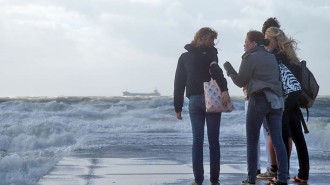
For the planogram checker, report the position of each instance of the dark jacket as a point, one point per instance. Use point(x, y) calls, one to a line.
point(292, 115)
point(193, 70)
point(292, 100)
point(294, 68)
point(258, 70)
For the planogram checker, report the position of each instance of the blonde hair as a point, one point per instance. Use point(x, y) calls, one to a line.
point(204, 35)
point(285, 45)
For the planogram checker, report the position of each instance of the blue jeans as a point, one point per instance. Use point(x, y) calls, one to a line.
point(258, 109)
point(198, 116)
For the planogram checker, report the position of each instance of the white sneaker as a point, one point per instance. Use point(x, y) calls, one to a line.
point(267, 175)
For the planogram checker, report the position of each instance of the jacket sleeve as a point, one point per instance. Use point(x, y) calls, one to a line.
point(217, 74)
point(244, 74)
point(179, 85)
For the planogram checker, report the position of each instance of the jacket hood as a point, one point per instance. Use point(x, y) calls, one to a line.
point(200, 49)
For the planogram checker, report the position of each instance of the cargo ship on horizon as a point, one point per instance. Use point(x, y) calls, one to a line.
point(154, 93)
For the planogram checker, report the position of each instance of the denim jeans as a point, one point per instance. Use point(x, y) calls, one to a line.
point(259, 108)
point(198, 116)
point(265, 131)
point(265, 134)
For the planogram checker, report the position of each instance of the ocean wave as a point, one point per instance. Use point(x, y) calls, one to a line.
point(37, 132)
point(318, 136)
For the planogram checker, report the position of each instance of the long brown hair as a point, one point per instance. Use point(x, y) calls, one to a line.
point(285, 45)
point(205, 36)
point(257, 37)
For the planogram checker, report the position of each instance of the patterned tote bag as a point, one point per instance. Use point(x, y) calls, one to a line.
point(213, 98)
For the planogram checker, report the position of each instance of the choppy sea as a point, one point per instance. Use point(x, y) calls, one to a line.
point(35, 133)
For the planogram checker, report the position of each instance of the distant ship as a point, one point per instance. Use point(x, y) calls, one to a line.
point(154, 93)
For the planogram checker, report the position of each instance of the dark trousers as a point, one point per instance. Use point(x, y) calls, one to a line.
point(300, 142)
point(292, 128)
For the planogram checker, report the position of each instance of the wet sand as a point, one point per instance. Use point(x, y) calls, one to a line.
point(144, 171)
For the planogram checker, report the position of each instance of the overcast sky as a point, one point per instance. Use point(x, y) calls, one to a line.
point(104, 47)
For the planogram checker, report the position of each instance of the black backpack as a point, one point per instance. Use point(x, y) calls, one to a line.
point(310, 87)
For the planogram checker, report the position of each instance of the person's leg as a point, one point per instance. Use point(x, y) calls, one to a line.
point(272, 154)
point(197, 118)
point(265, 131)
point(213, 129)
point(259, 162)
point(289, 151)
point(274, 120)
point(286, 134)
point(271, 163)
point(301, 146)
point(257, 109)
point(258, 153)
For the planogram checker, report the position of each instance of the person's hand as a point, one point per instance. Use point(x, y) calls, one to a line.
point(225, 98)
point(178, 116)
point(229, 68)
point(245, 93)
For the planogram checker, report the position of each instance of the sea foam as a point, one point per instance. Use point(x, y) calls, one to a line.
point(35, 133)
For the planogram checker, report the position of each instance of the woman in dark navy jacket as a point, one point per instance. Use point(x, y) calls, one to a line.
point(195, 67)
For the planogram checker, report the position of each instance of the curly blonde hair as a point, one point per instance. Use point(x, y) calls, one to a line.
point(205, 36)
point(285, 45)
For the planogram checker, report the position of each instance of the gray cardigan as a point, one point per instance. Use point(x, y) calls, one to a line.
point(258, 70)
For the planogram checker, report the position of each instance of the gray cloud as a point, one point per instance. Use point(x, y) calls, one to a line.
point(100, 47)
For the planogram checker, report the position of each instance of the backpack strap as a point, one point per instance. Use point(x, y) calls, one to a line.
point(301, 116)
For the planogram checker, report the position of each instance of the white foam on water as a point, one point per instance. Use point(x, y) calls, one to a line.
point(35, 133)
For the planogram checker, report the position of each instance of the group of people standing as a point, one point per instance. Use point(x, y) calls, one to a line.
point(259, 76)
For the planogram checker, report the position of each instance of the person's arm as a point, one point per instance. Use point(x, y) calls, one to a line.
point(179, 86)
point(217, 74)
point(244, 74)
